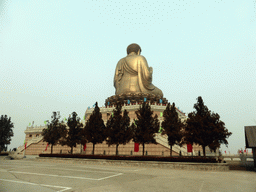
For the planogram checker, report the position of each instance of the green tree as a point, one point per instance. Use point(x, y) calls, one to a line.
point(5, 131)
point(146, 126)
point(73, 135)
point(205, 128)
point(172, 126)
point(118, 128)
point(94, 130)
point(55, 131)
point(219, 132)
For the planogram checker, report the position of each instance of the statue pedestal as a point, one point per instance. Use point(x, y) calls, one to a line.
point(134, 99)
point(162, 146)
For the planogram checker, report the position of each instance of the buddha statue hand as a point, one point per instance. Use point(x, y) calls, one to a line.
point(150, 70)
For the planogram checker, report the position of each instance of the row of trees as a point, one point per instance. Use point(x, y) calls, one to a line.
point(202, 127)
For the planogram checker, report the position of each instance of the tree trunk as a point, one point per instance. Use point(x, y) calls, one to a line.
point(204, 150)
point(51, 148)
point(71, 150)
point(171, 151)
point(143, 149)
point(93, 145)
point(117, 149)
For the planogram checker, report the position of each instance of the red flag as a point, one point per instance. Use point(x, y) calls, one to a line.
point(189, 148)
point(46, 146)
point(136, 147)
point(84, 147)
point(225, 151)
point(25, 145)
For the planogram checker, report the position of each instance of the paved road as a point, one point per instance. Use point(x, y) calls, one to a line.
point(28, 175)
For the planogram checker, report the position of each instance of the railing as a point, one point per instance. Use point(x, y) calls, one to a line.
point(244, 158)
point(164, 141)
point(34, 140)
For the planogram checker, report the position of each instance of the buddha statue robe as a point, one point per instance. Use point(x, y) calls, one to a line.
point(133, 75)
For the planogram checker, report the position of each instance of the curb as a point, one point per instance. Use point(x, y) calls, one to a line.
point(151, 164)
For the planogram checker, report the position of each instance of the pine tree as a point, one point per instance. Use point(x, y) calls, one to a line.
point(94, 130)
point(205, 128)
point(219, 132)
point(118, 128)
point(146, 126)
point(55, 131)
point(172, 126)
point(5, 131)
point(73, 135)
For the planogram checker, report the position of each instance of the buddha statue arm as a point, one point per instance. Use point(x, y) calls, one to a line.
point(147, 71)
point(118, 74)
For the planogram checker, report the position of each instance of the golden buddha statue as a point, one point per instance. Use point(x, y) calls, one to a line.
point(133, 75)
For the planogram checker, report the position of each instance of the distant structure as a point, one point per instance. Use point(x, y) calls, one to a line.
point(36, 145)
point(250, 140)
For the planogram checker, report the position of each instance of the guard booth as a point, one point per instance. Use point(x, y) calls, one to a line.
point(250, 140)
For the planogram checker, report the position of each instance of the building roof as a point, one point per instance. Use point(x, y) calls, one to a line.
point(250, 136)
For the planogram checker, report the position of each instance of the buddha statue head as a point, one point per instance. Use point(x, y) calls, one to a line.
point(133, 48)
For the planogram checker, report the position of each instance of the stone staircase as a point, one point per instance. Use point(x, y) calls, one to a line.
point(21, 148)
point(163, 140)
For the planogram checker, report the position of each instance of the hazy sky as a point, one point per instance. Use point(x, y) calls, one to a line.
point(61, 56)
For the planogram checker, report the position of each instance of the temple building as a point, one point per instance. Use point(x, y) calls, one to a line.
point(133, 84)
point(35, 144)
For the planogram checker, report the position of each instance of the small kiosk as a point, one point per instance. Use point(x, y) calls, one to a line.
point(250, 140)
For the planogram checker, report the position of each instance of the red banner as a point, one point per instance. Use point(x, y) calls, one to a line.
point(136, 147)
point(25, 145)
point(189, 148)
point(84, 147)
point(46, 146)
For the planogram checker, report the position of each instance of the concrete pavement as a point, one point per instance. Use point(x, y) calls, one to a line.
point(30, 175)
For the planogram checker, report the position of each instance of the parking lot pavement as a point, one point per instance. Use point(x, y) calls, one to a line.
point(29, 175)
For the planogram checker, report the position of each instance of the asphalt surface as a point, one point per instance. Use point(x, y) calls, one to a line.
point(29, 175)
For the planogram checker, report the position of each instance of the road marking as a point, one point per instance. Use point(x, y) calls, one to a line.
point(117, 169)
point(65, 188)
point(110, 176)
point(72, 177)
point(81, 170)
point(17, 167)
point(139, 169)
point(61, 169)
point(18, 164)
point(45, 167)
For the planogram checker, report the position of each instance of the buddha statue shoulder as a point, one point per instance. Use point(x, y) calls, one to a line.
point(133, 75)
